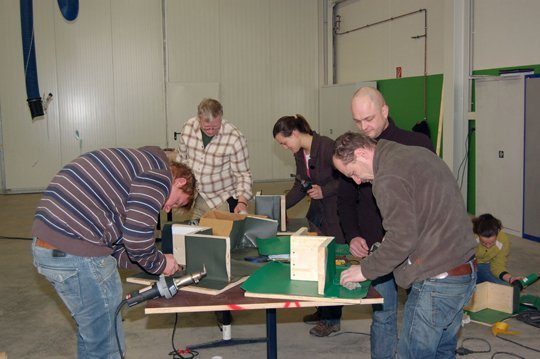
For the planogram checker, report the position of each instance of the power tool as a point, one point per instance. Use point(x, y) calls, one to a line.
point(526, 281)
point(165, 287)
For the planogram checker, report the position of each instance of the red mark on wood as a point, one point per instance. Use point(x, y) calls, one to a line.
point(235, 307)
point(289, 304)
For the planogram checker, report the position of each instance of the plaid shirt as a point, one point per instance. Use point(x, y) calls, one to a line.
point(222, 168)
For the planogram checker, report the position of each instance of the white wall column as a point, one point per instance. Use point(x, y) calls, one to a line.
point(456, 85)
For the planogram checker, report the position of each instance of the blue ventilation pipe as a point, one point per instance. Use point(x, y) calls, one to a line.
point(29, 58)
point(69, 9)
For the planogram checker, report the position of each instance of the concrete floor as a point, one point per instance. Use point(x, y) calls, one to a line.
point(35, 324)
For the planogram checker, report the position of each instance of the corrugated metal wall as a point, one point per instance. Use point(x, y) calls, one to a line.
point(263, 54)
point(106, 72)
point(374, 52)
point(506, 33)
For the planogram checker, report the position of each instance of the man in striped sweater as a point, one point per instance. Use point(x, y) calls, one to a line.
point(100, 212)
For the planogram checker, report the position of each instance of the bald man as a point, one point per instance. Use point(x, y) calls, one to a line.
point(361, 219)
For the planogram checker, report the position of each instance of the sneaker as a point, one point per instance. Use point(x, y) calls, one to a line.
point(322, 329)
point(312, 318)
point(465, 320)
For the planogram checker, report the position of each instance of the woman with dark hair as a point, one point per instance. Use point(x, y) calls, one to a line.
point(316, 178)
point(492, 251)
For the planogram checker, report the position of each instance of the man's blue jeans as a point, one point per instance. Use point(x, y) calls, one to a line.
point(384, 323)
point(485, 275)
point(432, 317)
point(91, 289)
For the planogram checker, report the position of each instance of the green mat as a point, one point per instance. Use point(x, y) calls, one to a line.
point(488, 316)
point(342, 250)
point(282, 245)
point(491, 316)
point(274, 245)
point(274, 278)
point(530, 300)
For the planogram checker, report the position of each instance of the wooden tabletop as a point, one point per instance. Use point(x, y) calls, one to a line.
point(234, 299)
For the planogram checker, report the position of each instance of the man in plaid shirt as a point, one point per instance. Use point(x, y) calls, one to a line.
point(217, 153)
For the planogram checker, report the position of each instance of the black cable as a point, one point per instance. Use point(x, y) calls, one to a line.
point(357, 333)
point(9, 237)
point(463, 165)
point(218, 322)
point(118, 309)
point(507, 353)
point(177, 354)
point(466, 351)
point(516, 343)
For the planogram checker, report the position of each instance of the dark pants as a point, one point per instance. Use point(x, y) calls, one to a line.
point(330, 315)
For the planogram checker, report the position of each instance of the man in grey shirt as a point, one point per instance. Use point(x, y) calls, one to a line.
point(428, 245)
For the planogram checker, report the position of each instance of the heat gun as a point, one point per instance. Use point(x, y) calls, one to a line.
point(526, 281)
point(165, 287)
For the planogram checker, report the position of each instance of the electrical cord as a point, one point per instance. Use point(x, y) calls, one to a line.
point(465, 351)
point(118, 309)
point(519, 344)
point(507, 353)
point(179, 353)
point(341, 333)
point(463, 165)
point(10, 237)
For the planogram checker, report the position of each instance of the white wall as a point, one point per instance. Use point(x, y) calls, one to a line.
point(263, 54)
point(30, 149)
point(106, 72)
point(506, 33)
point(375, 52)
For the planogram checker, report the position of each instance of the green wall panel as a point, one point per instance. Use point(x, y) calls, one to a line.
point(405, 99)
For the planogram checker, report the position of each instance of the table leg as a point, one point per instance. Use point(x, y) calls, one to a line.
point(271, 334)
point(227, 340)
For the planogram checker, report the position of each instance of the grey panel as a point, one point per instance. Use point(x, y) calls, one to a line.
point(269, 206)
point(531, 197)
point(244, 233)
point(210, 252)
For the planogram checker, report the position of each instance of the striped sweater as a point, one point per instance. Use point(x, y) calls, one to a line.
point(107, 202)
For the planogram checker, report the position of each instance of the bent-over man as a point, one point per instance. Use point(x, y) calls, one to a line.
point(428, 243)
point(99, 213)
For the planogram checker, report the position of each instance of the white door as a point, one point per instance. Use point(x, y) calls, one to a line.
point(499, 149)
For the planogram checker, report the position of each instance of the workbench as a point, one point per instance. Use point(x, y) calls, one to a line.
point(234, 299)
